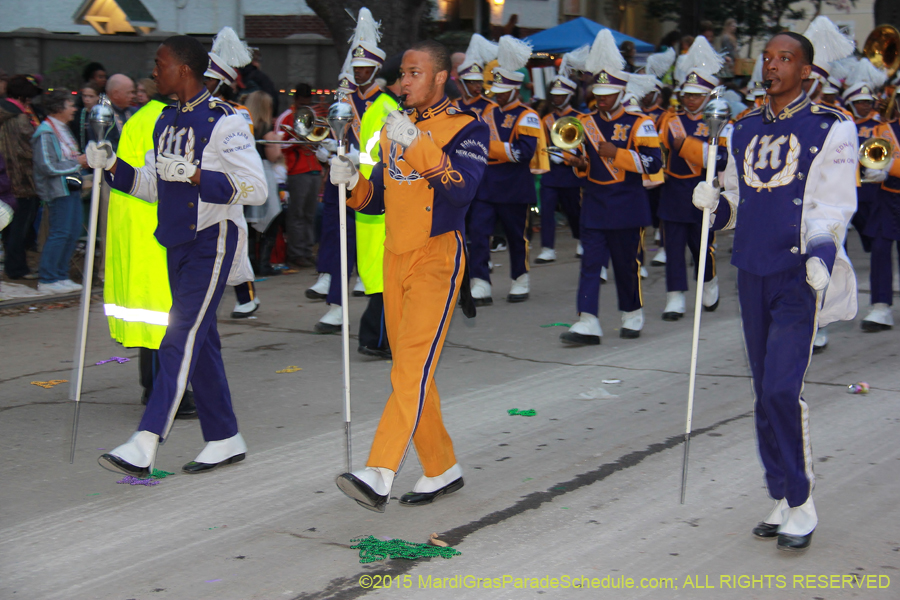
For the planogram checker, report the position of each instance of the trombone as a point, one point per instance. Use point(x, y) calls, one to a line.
point(875, 153)
point(567, 133)
point(307, 130)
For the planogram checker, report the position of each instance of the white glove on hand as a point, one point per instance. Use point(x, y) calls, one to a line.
point(174, 168)
point(401, 129)
point(6, 214)
point(875, 175)
point(343, 171)
point(706, 196)
point(330, 144)
point(817, 275)
point(322, 154)
point(100, 156)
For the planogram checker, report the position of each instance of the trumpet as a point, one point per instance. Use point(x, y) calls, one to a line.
point(875, 153)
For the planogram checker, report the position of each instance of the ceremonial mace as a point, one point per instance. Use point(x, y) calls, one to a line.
point(102, 120)
point(340, 116)
point(716, 115)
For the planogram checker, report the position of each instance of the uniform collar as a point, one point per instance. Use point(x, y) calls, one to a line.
point(374, 89)
point(794, 107)
point(193, 102)
point(565, 110)
point(620, 110)
point(432, 111)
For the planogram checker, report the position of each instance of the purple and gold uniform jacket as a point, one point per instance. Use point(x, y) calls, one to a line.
point(687, 167)
point(865, 128)
point(561, 175)
point(515, 131)
point(425, 190)
point(884, 220)
point(477, 106)
point(614, 196)
point(790, 191)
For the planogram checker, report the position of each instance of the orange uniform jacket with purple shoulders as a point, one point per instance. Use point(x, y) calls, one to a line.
point(425, 190)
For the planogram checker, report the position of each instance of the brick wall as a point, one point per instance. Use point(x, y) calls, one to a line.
point(281, 26)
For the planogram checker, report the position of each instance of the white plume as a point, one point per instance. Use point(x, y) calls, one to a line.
point(757, 76)
point(480, 50)
point(659, 64)
point(680, 69)
point(604, 54)
point(866, 72)
point(703, 58)
point(229, 47)
point(828, 42)
point(841, 69)
point(512, 53)
point(640, 85)
point(367, 29)
point(574, 61)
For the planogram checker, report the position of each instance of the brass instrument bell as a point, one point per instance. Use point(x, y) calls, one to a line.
point(882, 48)
point(309, 127)
point(875, 153)
point(567, 133)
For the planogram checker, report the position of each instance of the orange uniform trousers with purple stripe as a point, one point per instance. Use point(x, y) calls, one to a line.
point(420, 292)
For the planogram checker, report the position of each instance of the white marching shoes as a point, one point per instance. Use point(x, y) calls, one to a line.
point(675, 306)
point(579, 251)
point(481, 292)
point(644, 273)
point(359, 289)
point(370, 487)
point(659, 259)
point(134, 457)
point(428, 489)
point(547, 255)
point(878, 319)
point(332, 320)
point(603, 274)
point(711, 294)
point(319, 290)
point(632, 323)
point(218, 453)
point(586, 332)
point(801, 520)
point(242, 311)
point(821, 340)
point(518, 292)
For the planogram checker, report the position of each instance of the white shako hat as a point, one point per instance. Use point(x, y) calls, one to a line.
point(701, 63)
point(479, 53)
point(863, 81)
point(639, 85)
point(364, 50)
point(228, 54)
point(658, 65)
point(512, 55)
point(346, 83)
point(755, 89)
point(563, 84)
point(829, 45)
point(605, 63)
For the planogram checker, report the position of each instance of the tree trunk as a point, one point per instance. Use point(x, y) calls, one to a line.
point(400, 20)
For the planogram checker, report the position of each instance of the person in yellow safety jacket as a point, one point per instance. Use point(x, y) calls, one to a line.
point(370, 228)
point(136, 295)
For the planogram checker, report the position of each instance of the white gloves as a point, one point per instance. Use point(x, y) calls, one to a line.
point(6, 214)
point(322, 154)
point(874, 175)
point(817, 275)
point(330, 144)
point(100, 156)
point(706, 196)
point(401, 129)
point(343, 172)
point(174, 168)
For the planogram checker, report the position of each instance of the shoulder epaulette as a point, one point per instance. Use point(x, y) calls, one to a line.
point(456, 111)
point(752, 113)
point(225, 107)
point(821, 109)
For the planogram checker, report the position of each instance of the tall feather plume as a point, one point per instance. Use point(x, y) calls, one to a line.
point(367, 28)
point(702, 57)
point(680, 69)
point(865, 71)
point(828, 41)
point(640, 85)
point(480, 50)
point(604, 54)
point(574, 61)
point(229, 47)
point(512, 53)
point(841, 69)
point(659, 64)
point(757, 76)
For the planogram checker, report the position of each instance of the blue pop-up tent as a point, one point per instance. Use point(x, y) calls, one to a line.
point(577, 33)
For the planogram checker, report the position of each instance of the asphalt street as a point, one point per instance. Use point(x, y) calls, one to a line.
point(585, 493)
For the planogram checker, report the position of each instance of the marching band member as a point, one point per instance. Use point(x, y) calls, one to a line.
point(203, 167)
point(508, 186)
point(561, 185)
point(685, 137)
point(620, 148)
point(789, 194)
point(471, 73)
point(366, 60)
point(228, 54)
point(883, 228)
point(432, 158)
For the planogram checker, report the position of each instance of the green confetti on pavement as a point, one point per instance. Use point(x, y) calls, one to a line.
point(371, 549)
point(557, 325)
point(522, 413)
point(157, 474)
